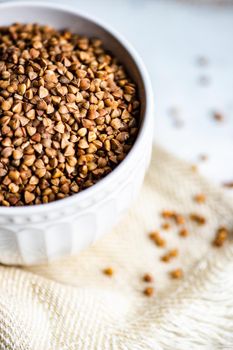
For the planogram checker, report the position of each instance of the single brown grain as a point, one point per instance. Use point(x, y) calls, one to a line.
point(148, 278)
point(220, 236)
point(108, 271)
point(200, 198)
point(149, 291)
point(184, 232)
point(176, 273)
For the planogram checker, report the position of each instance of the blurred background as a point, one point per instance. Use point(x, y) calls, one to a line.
point(187, 47)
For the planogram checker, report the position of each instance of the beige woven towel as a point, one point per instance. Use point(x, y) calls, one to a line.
point(71, 305)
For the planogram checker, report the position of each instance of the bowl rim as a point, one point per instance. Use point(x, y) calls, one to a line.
point(148, 113)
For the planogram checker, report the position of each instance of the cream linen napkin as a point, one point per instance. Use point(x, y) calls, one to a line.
point(72, 305)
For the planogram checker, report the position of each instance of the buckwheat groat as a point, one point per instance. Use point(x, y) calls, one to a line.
point(68, 114)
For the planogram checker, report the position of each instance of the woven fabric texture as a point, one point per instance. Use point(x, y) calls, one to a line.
point(72, 305)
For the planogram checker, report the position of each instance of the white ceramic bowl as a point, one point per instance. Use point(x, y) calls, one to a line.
point(34, 234)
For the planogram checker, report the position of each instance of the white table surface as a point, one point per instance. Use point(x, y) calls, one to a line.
point(170, 36)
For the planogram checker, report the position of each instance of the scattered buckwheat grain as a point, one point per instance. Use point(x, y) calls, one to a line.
point(149, 291)
point(176, 274)
point(199, 198)
point(220, 237)
point(108, 271)
point(169, 255)
point(199, 219)
point(183, 232)
point(218, 116)
point(169, 214)
point(166, 226)
point(157, 239)
point(148, 278)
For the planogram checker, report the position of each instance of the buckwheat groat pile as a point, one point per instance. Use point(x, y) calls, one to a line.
point(68, 114)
